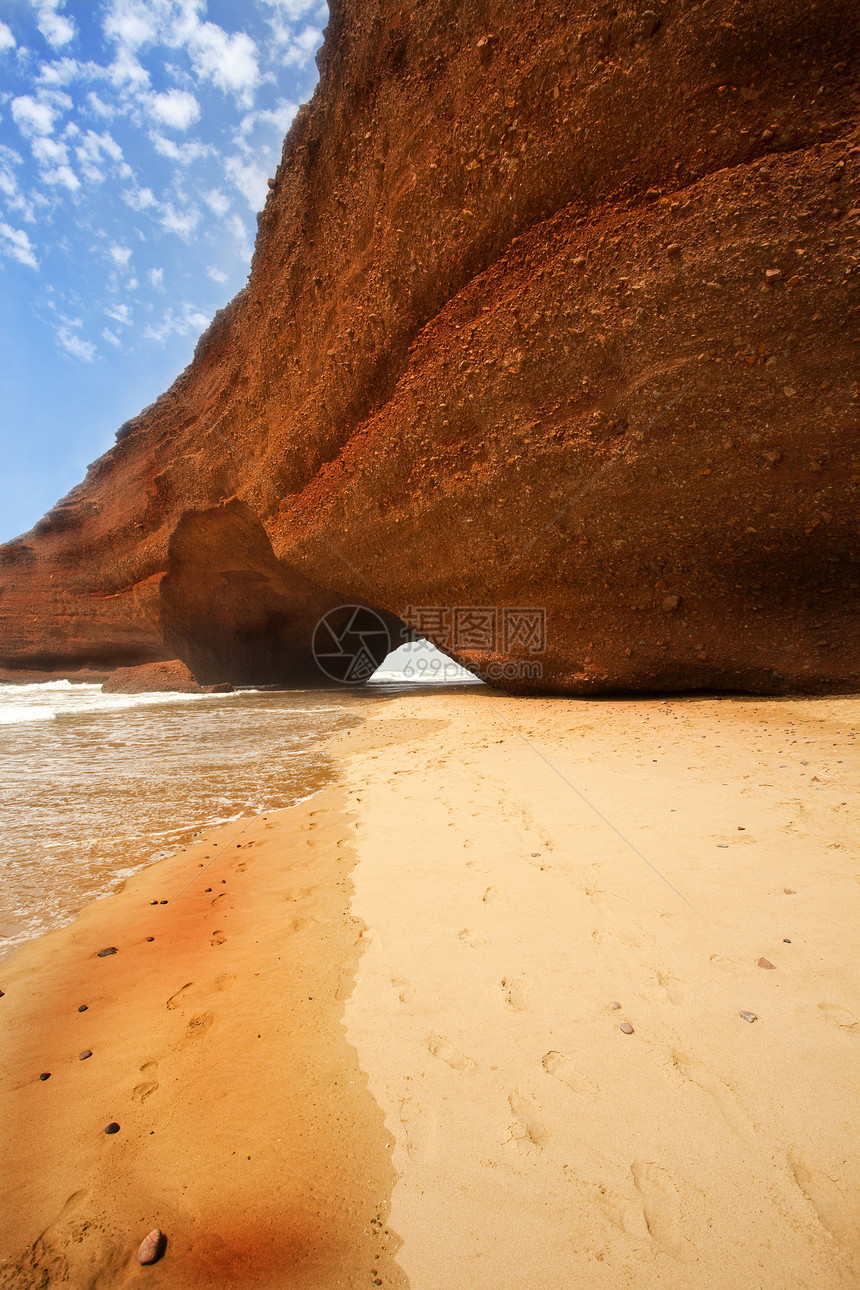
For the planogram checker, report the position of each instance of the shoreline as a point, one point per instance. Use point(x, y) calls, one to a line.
point(440, 1095)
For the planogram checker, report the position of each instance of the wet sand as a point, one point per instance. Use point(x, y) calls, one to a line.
point(398, 1005)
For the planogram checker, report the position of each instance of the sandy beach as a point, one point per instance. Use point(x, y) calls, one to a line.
point(469, 1019)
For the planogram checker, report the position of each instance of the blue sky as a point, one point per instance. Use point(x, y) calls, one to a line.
point(136, 138)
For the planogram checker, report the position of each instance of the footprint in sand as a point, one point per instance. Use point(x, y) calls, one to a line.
point(834, 1212)
point(516, 994)
point(841, 1016)
point(528, 1127)
point(446, 1052)
point(468, 937)
point(148, 1085)
point(563, 1069)
point(659, 1197)
point(722, 1095)
point(198, 1026)
point(420, 1130)
point(673, 988)
point(177, 1000)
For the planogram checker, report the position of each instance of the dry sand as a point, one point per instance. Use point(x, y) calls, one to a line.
point(398, 1006)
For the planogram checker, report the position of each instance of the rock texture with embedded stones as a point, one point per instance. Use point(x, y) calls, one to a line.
point(549, 307)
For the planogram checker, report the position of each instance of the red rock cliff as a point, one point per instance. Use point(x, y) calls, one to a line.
point(550, 306)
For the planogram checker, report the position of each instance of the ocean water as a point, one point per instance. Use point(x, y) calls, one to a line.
point(95, 786)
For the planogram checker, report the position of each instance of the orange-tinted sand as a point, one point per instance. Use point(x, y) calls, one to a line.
point(398, 1006)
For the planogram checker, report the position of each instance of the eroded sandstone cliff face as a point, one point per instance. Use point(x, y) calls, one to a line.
point(551, 307)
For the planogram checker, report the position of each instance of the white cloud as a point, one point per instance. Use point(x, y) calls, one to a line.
point(63, 71)
point(111, 338)
point(217, 275)
point(49, 152)
point(120, 314)
point(94, 151)
point(98, 107)
point(126, 73)
point(15, 243)
point(237, 227)
point(279, 118)
point(175, 108)
point(120, 256)
point(57, 29)
point(63, 177)
point(139, 199)
point(33, 116)
point(7, 40)
point(156, 277)
point(131, 24)
point(74, 345)
point(301, 48)
point(216, 201)
point(230, 62)
point(293, 10)
point(187, 320)
point(183, 223)
point(184, 153)
point(250, 178)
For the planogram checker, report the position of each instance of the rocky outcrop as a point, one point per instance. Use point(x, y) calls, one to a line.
point(172, 677)
point(550, 309)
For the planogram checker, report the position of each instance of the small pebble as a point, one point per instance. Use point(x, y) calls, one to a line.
point(789, 891)
point(150, 938)
point(2, 992)
point(82, 1007)
point(162, 902)
point(82, 1057)
point(151, 1247)
point(749, 1016)
point(535, 855)
point(765, 963)
point(722, 844)
point(113, 1127)
point(208, 888)
point(627, 1028)
point(45, 1075)
point(103, 954)
point(153, 902)
point(786, 941)
point(615, 1005)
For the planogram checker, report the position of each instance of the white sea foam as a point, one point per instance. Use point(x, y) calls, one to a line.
point(47, 700)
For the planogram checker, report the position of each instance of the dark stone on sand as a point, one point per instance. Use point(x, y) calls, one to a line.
point(153, 902)
point(615, 1005)
point(150, 938)
point(208, 888)
point(151, 1247)
point(766, 963)
point(627, 1028)
point(786, 941)
point(82, 1007)
point(103, 954)
point(162, 902)
point(45, 1075)
point(113, 1127)
point(82, 1057)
